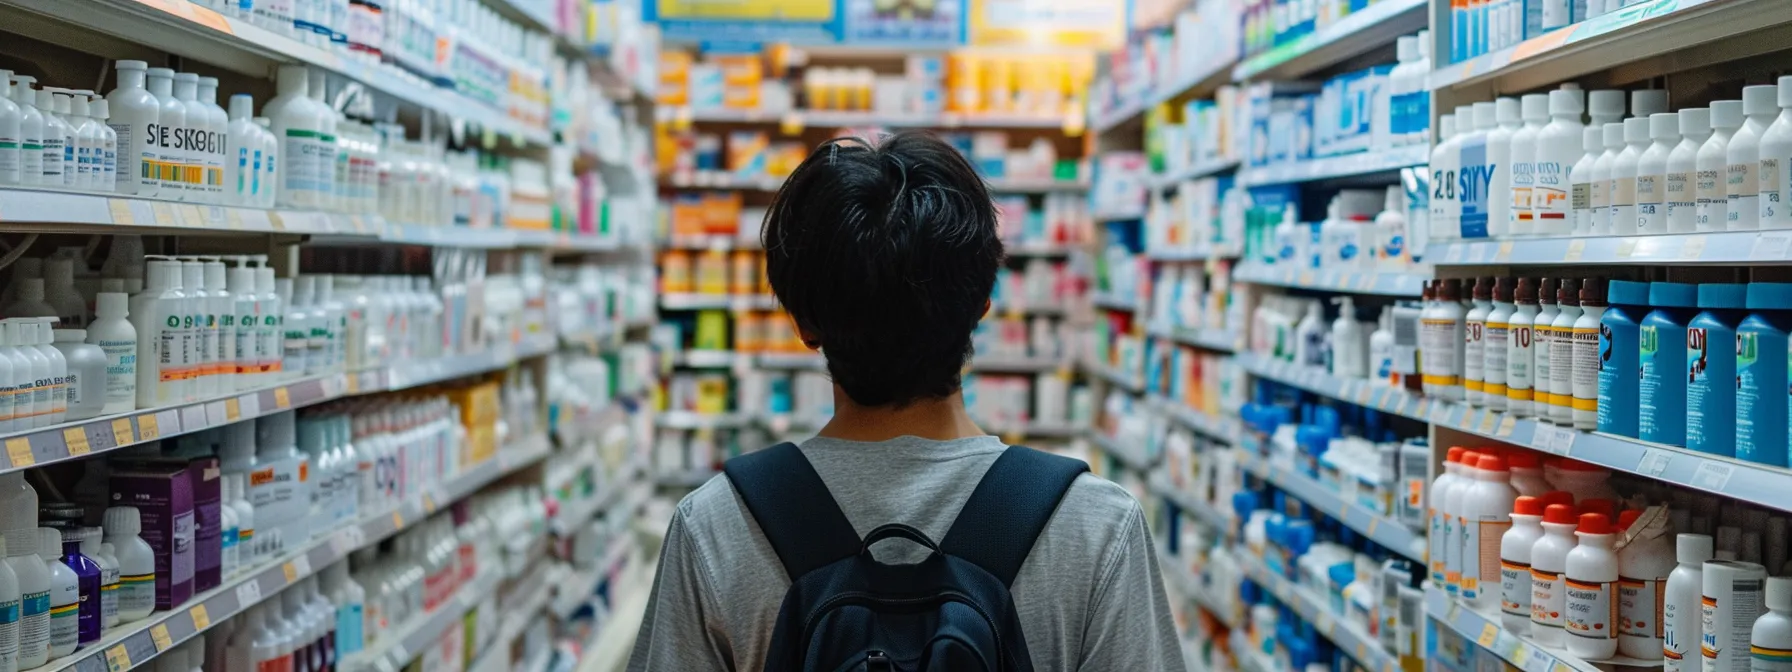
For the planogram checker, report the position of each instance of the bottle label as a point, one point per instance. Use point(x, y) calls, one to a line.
point(1648, 342)
point(1546, 598)
point(1749, 387)
point(1542, 363)
point(1679, 192)
point(52, 161)
point(109, 594)
point(1710, 200)
point(1475, 179)
point(1436, 540)
point(136, 592)
point(270, 344)
point(1768, 659)
point(65, 622)
point(1585, 374)
point(9, 635)
point(1624, 190)
point(1474, 355)
point(1741, 180)
point(1522, 179)
point(121, 370)
point(1550, 190)
point(9, 166)
point(1518, 363)
point(1639, 606)
point(1515, 588)
point(1599, 194)
point(349, 627)
point(1494, 356)
point(1591, 612)
point(1768, 184)
point(1481, 552)
point(1439, 360)
point(1561, 366)
point(34, 621)
point(1698, 386)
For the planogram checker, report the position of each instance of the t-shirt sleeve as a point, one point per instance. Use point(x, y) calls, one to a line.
point(1130, 627)
point(682, 629)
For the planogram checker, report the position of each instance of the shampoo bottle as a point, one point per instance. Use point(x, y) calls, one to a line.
point(1617, 404)
point(1711, 369)
point(1661, 357)
point(1761, 363)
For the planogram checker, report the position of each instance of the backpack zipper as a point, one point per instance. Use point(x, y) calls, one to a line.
point(950, 595)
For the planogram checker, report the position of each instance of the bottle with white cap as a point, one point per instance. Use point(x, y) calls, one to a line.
point(18, 524)
point(1682, 613)
point(1682, 169)
point(166, 159)
point(1559, 147)
point(108, 147)
point(204, 328)
point(1645, 103)
point(1652, 173)
point(1605, 106)
point(1621, 189)
point(136, 563)
point(216, 139)
point(1472, 170)
point(1776, 163)
point(85, 383)
point(192, 142)
point(1581, 178)
point(244, 301)
point(65, 594)
point(1770, 641)
point(31, 131)
point(271, 337)
point(56, 135)
point(242, 176)
point(23, 335)
point(10, 140)
point(332, 155)
point(92, 548)
point(1445, 210)
point(156, 315)
point(221, 316)
point(1760, 104)
point(1712, 191)
point(1534, 112)
point(1612, 145)
point(1498, 180)
point(85, 146)
point(23, 381)
point(271, 170)
point(298, 129)
point(135, 120)
point(9, 614)
point(296, 326)
point(112, 331)
point(45, 342)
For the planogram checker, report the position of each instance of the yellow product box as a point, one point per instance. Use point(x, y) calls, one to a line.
point(712, 272)
point(749, 152)
point(712, 393)
point(721, 213)
point(998, 85)
point(749, 332)
point(964, 80)
point(482, 444)
point(479, 404)
point(675, 272)
point(689, 215)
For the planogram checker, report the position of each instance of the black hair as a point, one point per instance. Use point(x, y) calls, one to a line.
point(886, 254)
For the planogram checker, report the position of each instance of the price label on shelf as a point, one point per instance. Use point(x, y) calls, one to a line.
point(201, 619)
point(233, 410)
point(1488, 420)
point(159, 635)
point(1693, 248)
point(1504, 253)
point(1507, 424)
point(1712, 475)
point(76, 438)
point(250, 404)
point(1654, 462)
point(1626, 247)
point(121, 215)
point(18, 452)
point(1576, 248)
point(164, 214)
point(248, 593)
point(192, 418)
point(118, 658)
point(1489, 633)
point(148, 426)
point(282, 398)
point(1769, 246)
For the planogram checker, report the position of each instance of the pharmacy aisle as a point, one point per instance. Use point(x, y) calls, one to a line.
point(322, 348)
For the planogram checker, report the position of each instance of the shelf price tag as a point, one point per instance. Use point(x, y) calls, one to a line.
point(1576, 248)
point(121, 214)
point(791, 124)
point(201, 619)
point(1488, 421)
point(1626, 248)
point(1769, 246)
point(1507, 424)
point(147, 425)
point(1693, 248)
point(249, 593)
point(164, 214)
point(1712, 475)
point(159, 634)
point(291, 571)
point(233, 410)
point(76, 438)
point(1504, 253)
point(1489, 633)
point(18, 452)
point(1654, 462)
point(282, 398)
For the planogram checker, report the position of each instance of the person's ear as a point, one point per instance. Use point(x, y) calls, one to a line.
point(810, 340)
point(986, 306)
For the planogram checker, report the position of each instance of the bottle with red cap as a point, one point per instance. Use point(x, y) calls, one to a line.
point(1590, 581)
point(1436, 514)
point(1549, 557)
point(1527, 474)
point(1644, 563)
point(1467, 467)
point(1515, 563)
point(1486, 515)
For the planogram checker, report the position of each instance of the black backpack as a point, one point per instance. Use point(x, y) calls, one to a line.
point(951, 611)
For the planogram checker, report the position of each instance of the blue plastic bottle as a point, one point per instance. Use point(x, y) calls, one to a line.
point(1711, 369)
point(1618, 373)
point(1761, 361)
point(1661, 356)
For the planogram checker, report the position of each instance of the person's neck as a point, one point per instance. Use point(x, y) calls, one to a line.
point(941, 419)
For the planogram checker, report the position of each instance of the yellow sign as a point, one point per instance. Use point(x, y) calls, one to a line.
point(76, 438)
point(1094, 24)
point(19, 452)
point(747, 10)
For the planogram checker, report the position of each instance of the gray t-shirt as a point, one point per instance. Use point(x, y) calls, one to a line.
point(1089, 595)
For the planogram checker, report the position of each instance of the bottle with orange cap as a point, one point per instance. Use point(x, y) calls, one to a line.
point(1591, 605)
point(1486, 514)
point(1515, 563)
point(1549, 557)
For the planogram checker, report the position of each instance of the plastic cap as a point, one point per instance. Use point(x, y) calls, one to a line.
point(1482, 291)
point(1592, 139)
point(1692, 549)
point(1769, 296)
point(1723, 295)
point(1505, 111)
point(1486, 115)
point(1534, 107)
point(242, 106)
point(184, 77)
point(1523, 459)
point(1673, 295)
point(1601, 505)
point(69, 335)
point(1606, 103)
point(208, 81)
point(1558, 497)
point(130, 65)
point(1465, 116)
point(1594, 523)
point(1726, 114)
point(112, 304)
point(1614, 135)
point(1567, 101)
point(49, 543)
point(1406, 49)
point(1560, 514)
point(1446, 127)
point(1455, 454)
point(1637, 129)
point(1546, 291)
point(1627, 293)
point(1664, 126)
point(1592, 292)
point(1527, 291)
point(1568, 292)
point(1527, 506)
point(1779, 592)
point(1628, 517)
point(122, 521)
point(1492, 463)
point(1648, 102)
point(1760, 99)
point(1694, 121)
point(1502, 289)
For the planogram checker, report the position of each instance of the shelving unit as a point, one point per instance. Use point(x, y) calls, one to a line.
point(1335, 167)
point(1367, 29)
point(1333, 280)
point(1391, 534)
point(1352, 640)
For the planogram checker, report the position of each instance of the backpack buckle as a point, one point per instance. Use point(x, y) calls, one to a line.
point(878, 661)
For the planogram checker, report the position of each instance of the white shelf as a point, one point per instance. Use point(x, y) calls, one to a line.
point(1716, 247)
point(1132, 456)
point(853, 118)
point(1388, 532)
point(1372, 394)
point(402, 643)
point(1192, 505)
point(1332, 167)
point(1211, 339)
point(1192, 83)
point(1316, 609)
point(199, 33)
point(133, 645)
point(1162, 181)
point(1386, 283)
point(1222, 428)
point(693, 301)
point(1364, 30)
point(1130, 382)
point(1484, 631)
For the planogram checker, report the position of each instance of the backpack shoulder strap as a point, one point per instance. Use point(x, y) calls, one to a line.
point(1010, 507)
point(793, 507)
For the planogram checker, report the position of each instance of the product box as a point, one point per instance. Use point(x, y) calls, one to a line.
point(162, 493)
point(747, 153)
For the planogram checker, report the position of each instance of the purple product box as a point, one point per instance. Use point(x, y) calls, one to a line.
point(162, 493)
point(208, 520)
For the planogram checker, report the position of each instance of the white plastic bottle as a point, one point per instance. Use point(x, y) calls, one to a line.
point(298, 130)
point(1349, 345)
point(117, 339)
point(136, 563)
point(1441, 333)
point(86, 379)
point(107, 559)
point(217, 140)
point(1712, 189)
point(1591, 580)
point(1474, 337)
point(1515, 563)
point(1534, 112)
point(1446, 208)
point(271, 337)
point(1496, 342)
point(135, 114)
point(242, 176)
point(10, 163)
point(272, 169)
point(1549, 559)
point(1485, 517)
point(1450, 503)
point(1760, 104)
point(161, 348)
point(350, 601)
point(1652, 172)
point(1521, 348)
point(102, 116)
point(201, 383)
point(24, 380)
point(171, 122)
point(24, 335)
point(1392, 250)
point(329, 153)
point(228, 535)
point(296, 327)
point(1770, 641)
point(1561, 353)
point(78, 156)
point(1583, 336)
point(31, 132)
point(56, 138)
point(65, 594)
point(18, 524)
point(1643, 566)
point(247, 557)
point(1582, 175)
point(1682, 169)
point(1543, 335)
point(241, 285)
point(9, 614)
point(221, 311)
point(192, 142)
point(1507, 123)
point(1776, 163)
point(1682, 612)
point(1601, 179)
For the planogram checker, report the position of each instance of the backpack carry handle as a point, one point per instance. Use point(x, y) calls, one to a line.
point(898, 531)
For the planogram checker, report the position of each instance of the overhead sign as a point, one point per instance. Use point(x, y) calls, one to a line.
point(1099, 24)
